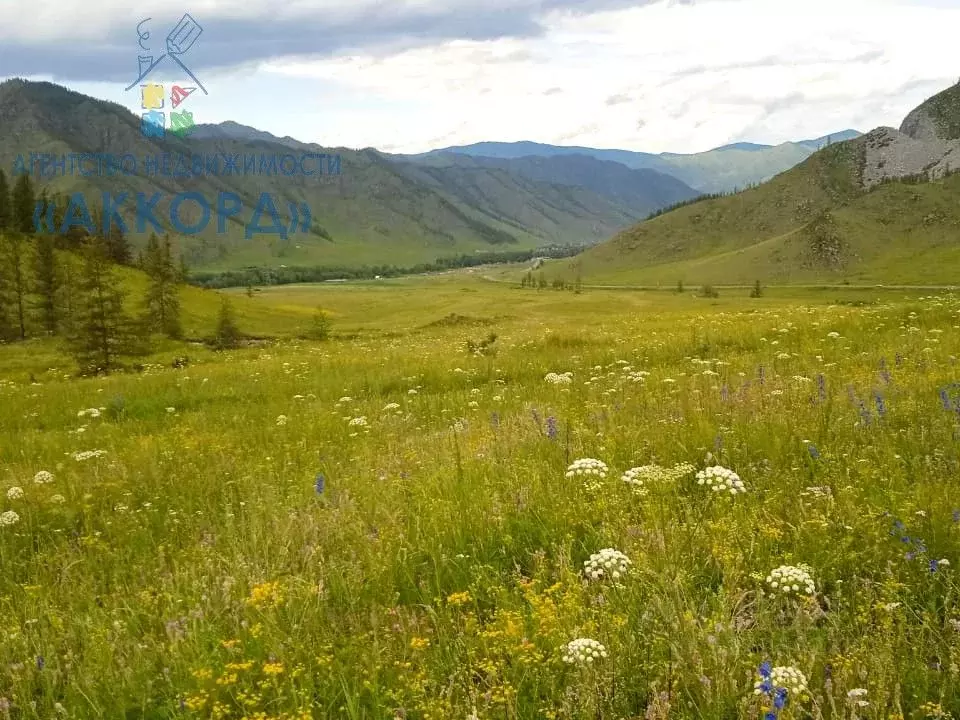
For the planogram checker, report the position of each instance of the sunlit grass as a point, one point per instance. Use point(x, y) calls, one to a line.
point(194, 570)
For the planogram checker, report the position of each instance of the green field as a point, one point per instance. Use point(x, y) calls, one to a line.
point(191, 568)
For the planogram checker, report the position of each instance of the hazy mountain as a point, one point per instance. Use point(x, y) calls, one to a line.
point(722, 169)
point(641, 191)
point(378, 211)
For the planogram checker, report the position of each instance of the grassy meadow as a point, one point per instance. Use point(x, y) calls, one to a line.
point(384, 525)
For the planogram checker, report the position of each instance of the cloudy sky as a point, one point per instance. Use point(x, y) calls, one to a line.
point(411, 75)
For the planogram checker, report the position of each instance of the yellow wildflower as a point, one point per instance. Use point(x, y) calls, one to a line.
point(419, 643)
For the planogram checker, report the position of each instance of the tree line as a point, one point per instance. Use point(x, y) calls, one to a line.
point(254, 276)
point(68, 286)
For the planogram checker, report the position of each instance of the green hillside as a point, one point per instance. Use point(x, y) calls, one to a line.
point(810, 224)
point(378, 211)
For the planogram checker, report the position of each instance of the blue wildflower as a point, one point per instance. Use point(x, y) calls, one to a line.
point(945, 399)
point(780, 698)
point(319, 484)
point(40, 662)
point(552, 427)
point(770, 715)
point(956, 515)
point(814, 453)
point(881, 405)
point(765, 669)
point(934, 565)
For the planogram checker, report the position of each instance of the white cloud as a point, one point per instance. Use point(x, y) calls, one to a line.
point(670, 76)
point(696, 76)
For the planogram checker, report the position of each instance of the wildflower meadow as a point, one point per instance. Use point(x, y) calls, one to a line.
point(622, 506)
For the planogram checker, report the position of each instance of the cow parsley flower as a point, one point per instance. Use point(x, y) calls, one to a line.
point(15, 493)
point(391, 406)
point(780, 678)
point(9, 518)
point(640, 478)
point(87, 455)
point(856, 697)
point(608, 563)
point(559, 378)
point(790, 581)
point(89, 412)
point(43, 477)
point(721, 479)
point(583, 651)
point(592, 470)
point(281, 420)
point(358, 421)
point(58, 499)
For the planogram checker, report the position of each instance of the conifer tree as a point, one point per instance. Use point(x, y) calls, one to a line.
point(5, 211)
point(46, 282)
point(227, 334)
point(162, 299)
point(23, 204)
point(99, 329)
point(15, 282)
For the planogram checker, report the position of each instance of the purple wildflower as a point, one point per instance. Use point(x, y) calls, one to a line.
point(552, 427)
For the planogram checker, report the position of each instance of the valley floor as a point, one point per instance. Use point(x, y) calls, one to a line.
point(385, 525)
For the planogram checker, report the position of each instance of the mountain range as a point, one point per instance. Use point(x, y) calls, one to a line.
point(723, 169)
point(379, 211)
point(882, 207)
point(383, 209)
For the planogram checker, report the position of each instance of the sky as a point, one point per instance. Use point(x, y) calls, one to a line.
point(407, 76)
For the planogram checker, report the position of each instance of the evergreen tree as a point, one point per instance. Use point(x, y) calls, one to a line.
point(15, 281)
point(23, 204)
point(99, 329)
point(184, 271)
point(5, 210)
point(321, 325)
point(46, 282)
point(757, 290)
point(227, 334)
point(6, 302)
point(162, 299)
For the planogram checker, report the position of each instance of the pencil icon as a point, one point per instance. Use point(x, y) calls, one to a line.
point(145, 62)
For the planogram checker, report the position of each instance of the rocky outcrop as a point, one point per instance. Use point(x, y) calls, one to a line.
point(927, 143)
point(892, 153)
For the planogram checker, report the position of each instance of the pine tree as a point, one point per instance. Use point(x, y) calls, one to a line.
point(15, 281)
point(227, 334)
point(162, 299)
point(5, 210)
point(23, 204)
point(6, 302)
point(99, 330)
point(46, 282)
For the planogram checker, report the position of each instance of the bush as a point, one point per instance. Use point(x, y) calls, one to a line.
point(227, 335)
point(321, 325)
point(709, 291)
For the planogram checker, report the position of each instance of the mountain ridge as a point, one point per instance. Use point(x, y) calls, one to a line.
point(722, 169)
point(379, 211)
